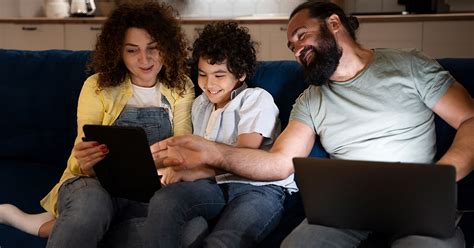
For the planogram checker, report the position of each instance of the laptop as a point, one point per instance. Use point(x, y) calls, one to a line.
point(387, 197)
point(128, 170)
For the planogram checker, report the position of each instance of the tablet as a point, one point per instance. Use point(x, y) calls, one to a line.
point(128, 170)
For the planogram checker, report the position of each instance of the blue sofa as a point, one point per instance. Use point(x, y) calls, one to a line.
point(38, 96)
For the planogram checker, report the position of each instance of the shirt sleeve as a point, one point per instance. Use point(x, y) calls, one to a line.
point(258, 113)
point(306, 107)
point(431, 80)
point(90, 110)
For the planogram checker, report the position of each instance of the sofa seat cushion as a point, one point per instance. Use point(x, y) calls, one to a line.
point(24, 184)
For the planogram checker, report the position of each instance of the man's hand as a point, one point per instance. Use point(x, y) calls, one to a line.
point(184, 152)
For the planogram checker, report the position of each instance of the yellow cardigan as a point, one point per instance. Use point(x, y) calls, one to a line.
point(103, 107)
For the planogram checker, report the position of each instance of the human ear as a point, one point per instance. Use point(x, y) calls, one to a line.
point(333, 23)
point(241, 79)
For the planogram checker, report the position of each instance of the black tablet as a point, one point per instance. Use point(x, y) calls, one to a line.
point(128, 170)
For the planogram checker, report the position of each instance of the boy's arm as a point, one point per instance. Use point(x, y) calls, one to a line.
point(171, 175)
point(249, 140)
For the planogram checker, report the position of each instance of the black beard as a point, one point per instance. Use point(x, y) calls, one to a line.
point(325, 58)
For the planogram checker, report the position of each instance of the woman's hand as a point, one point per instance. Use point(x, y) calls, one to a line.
point(88, 154)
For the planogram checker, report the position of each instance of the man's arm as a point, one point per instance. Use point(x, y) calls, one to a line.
point(456, 107)
point(172, 175)
point(192, 151)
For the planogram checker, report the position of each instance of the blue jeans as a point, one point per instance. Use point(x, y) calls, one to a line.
point(87, 211)
point(246, 213)
point(307, 235)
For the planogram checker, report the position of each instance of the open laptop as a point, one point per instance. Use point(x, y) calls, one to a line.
point(393, 198)
point(128, 170)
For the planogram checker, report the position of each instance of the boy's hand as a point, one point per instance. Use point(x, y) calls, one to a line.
point(170, 175)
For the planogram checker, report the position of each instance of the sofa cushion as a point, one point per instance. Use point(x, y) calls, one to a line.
point(27, 182)
point(24, 185)
point(38, 99)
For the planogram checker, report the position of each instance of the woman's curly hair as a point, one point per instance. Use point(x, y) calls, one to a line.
point(159, 20)
point(227, 42)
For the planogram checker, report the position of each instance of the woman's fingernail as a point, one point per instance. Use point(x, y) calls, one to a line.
point(103, 149)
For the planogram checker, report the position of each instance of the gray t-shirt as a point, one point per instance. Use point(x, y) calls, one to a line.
point(383, 114)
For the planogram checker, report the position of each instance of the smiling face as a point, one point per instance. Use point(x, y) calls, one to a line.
point(217, 82)
point(141, 57)
point(314, 47)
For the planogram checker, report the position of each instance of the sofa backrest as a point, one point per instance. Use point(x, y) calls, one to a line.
point(38, 99)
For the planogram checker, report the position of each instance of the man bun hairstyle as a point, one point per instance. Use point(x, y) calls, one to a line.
point(322, 10)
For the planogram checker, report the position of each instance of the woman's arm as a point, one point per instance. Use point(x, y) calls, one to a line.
point(90, 110)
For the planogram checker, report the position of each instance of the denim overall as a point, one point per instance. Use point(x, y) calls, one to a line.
point(108, 218)
point(155, 121)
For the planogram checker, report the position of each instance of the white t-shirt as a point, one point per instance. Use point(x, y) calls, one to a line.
point(215, 114)
point(145, 96)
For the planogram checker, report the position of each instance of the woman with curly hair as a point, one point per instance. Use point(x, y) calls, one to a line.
point(140, 80)
point(244, 211)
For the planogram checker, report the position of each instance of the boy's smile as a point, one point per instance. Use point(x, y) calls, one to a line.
point(217, 82)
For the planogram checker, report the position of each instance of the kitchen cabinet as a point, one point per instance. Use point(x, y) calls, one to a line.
point(438, 39)
point(2, 35)
point(274, 40)
point(81, 36)
point(271, 39)
point(438, 35)
point(391, 35)
point(191, 31)
point(34, 36)
point(258, 37)
point(454, 39)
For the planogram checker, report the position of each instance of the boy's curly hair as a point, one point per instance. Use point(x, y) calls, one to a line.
point(227, 42)
point(160, 21)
